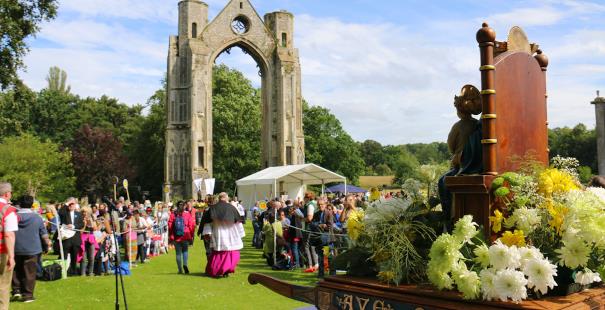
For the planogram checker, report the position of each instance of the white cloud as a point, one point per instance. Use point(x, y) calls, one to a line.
point(383, 81)
point(153, 10)
point(580, 44)
point(526, 17)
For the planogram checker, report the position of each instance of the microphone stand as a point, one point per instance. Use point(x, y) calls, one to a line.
point(117, 264)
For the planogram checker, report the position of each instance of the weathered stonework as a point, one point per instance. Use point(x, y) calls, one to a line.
point(599, 105)
point(191, 56)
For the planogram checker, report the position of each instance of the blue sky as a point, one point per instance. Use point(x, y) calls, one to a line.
point(388, 69)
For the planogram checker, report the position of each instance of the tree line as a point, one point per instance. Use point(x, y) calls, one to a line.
point(55, 143)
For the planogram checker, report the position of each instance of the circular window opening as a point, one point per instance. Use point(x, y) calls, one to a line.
point(240, 24)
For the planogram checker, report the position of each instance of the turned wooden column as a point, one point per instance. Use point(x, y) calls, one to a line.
point(486, 38)
point(543, 62)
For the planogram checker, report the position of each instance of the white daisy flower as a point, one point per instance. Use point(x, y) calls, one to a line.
point(502, 256)
point(540, 275)
point(586, 277)
point(510, 283)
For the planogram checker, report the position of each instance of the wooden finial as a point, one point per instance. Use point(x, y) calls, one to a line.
point(542, 59)
point(486, 34)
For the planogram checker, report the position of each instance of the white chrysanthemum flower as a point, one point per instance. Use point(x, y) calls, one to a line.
point(598, 191)
point(528, 253)
point(468, 284)
point(482, 255)
point(502, 256)
point(440, 279)
point(540, 275)
point(524, 219)
point(510, 283)
point(465, 229)
point(586, 277)
point(488, 289)
point(573, 253)
point(444, 253)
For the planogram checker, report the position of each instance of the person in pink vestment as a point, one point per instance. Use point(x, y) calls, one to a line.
point(224, 230)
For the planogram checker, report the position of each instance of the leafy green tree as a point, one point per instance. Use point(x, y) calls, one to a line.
point(20, 19)
point(146, 147)
point(577, 142)
point(429, 153)
point(402, 162)
point(54, 117)
point(109, 113)
point(57, 80)
point(383, 169)
point(236, 128)
point(15, 110)
point(36, 167)
point(327, 144)
point(97, 157)
point(372, 152)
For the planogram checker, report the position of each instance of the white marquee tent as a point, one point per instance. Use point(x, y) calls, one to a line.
point(288, 180)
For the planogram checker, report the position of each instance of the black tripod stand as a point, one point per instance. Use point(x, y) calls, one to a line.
point(116, 261)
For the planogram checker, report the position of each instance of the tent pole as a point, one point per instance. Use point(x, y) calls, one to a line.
point(346, 186)
point(274, 236)
point(323, 188)
point(255, 195)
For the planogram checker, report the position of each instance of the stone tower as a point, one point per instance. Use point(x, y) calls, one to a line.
point(599, 105)
point(191, 57)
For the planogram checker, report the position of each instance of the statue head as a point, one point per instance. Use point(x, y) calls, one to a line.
point(469, 101)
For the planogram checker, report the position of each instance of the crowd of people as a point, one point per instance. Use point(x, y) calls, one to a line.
point(293, 234)
point(90, 238)
point(297, 234)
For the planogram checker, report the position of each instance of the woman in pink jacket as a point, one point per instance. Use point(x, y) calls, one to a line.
point(181, 227)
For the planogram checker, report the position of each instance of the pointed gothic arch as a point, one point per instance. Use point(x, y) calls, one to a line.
point(189, 87)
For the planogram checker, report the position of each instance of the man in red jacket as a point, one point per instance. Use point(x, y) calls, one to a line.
point(8, 225)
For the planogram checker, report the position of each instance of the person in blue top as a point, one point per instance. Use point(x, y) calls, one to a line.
point(30, 241)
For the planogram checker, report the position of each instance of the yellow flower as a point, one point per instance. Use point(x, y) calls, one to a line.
point(386, 276)
point(355, 224)
point(557, 213)
point(517, 238)
point(381, 256)
point(496, 221)
point(554, 181)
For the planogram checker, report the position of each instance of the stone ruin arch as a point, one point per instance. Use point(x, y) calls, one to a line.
point(191, 57)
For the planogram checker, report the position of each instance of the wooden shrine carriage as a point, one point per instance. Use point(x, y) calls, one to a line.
point(514, 124)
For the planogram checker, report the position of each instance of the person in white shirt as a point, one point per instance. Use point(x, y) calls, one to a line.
point(223, 228)
point(10, 224)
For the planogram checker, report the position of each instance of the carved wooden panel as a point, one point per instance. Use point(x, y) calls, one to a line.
point(521, 109)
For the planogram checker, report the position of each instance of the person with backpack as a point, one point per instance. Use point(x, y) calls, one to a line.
point(181, 227)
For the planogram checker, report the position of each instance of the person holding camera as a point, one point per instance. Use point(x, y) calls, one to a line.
point(71, 224)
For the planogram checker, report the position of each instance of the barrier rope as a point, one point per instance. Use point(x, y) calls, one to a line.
point(86, 231)
point(315, 232)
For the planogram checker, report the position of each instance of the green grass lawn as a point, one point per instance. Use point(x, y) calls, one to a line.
point(156, 285)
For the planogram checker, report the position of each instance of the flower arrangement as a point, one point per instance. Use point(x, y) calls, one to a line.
point(391, 238)
point(547, 231)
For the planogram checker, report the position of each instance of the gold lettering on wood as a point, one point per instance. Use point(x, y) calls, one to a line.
point(346, 302)
point(362, 302)
point(380, 305)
